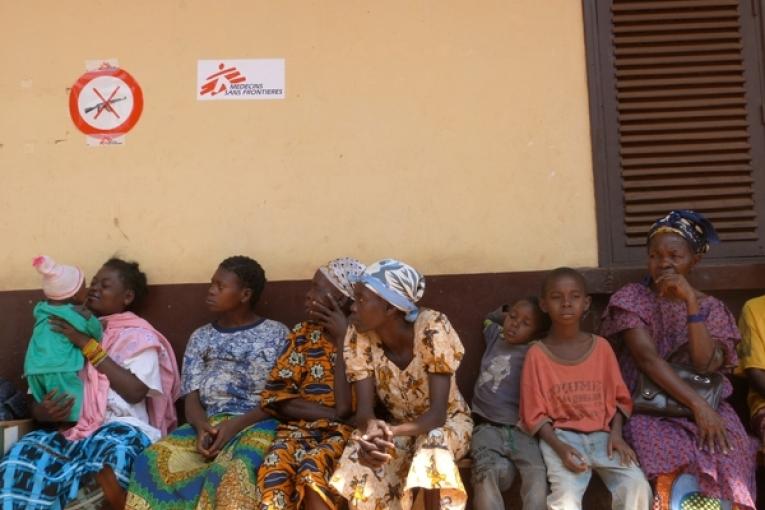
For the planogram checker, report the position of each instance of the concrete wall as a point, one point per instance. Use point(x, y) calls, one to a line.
point(453, 135)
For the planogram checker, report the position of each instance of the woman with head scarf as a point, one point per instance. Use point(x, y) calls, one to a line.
point(308, 391)
point(408, 357)
point(666, 319)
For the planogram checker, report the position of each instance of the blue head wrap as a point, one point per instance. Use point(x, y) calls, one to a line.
point(397, 283)
point(690, 225)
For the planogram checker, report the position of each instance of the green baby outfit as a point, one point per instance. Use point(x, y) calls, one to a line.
point(52, 361)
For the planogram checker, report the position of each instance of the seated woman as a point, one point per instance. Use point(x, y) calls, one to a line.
point(308, 391)
point(211, 461)
point(410, 357)
point(751, 352)
point(131, 382)
point(666, 317)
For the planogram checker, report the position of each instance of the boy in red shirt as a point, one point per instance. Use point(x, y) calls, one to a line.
point(574, 398)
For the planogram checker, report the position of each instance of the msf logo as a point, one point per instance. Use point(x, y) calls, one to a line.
point(220, 81)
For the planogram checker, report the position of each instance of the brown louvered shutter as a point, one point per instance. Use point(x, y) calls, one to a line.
point(680, 99)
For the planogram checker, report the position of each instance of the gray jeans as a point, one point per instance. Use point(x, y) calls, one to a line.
point(499, 453)
point(628, 485)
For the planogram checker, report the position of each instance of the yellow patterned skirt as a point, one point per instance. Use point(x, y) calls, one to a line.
point(427, 462)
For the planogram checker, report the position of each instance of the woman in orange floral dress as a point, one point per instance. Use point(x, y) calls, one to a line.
point(408, 357)
point(308, 391)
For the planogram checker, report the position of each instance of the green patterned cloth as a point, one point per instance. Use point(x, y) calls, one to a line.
point(172, 475)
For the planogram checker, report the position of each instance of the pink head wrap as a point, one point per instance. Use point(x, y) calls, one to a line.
point(59, 281)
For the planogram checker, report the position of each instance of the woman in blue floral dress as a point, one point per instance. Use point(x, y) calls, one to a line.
point(212, 461)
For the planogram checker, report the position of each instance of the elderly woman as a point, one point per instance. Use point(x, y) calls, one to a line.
point(131, 382)
point(409, 357)
point(308, 391)
point(666, 319)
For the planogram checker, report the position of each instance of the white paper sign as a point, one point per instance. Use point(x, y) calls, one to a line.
point(240, 79)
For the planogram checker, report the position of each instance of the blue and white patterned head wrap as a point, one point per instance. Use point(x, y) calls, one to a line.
point(690, 225)
point(397, 283)
point(343, 273)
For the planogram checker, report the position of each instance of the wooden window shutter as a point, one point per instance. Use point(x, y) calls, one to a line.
point(676, 89)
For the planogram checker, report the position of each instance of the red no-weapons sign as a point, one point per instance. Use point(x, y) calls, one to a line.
point(106, 102)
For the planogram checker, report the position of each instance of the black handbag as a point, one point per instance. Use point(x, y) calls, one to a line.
point(650, 398)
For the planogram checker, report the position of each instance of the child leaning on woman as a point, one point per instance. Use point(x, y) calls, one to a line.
point(499, 448)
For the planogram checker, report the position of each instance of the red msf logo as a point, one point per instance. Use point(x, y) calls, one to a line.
point(220, 81)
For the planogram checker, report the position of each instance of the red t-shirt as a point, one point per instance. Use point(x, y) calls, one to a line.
point(581, 395)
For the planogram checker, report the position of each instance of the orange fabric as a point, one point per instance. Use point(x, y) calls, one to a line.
point(581, 395)
point(662, 493)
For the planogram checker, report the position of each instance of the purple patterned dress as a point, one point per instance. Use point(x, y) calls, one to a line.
point(664, 445)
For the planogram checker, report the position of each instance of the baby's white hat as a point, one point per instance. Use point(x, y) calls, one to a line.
point(59, 281)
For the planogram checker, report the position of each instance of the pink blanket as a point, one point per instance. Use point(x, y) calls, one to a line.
point(121, 341)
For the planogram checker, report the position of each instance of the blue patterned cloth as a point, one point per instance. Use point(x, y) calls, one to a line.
point(690, 225)
point(44, 470)
point(397, 283)
point(229, 367)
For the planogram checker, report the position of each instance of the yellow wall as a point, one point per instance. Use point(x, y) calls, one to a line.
point(453, 135)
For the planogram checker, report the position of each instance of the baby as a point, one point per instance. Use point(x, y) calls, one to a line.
point(52, 362)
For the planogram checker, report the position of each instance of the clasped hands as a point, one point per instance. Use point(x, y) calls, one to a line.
point(376, 444)
point(211, 439)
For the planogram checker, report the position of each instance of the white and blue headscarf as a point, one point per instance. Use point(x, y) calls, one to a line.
point(343, 273)
point(396, 282)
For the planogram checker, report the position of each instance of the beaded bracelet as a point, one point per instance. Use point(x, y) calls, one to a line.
point(94, 353)
point(98, 358)
point(90, 348)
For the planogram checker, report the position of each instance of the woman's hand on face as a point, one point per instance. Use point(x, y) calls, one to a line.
point(675, 286)
point(56, 406)
point(713, 437)
point(62, 326)
point(331, 318)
